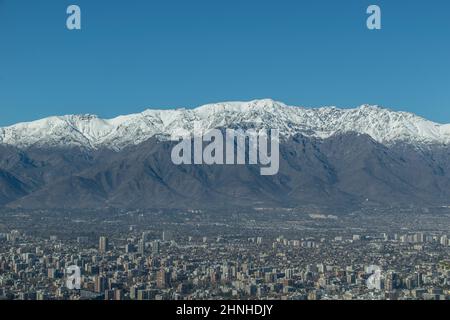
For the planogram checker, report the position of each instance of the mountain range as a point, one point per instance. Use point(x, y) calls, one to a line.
point(329, 157)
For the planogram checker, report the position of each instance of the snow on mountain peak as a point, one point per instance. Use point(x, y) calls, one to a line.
point(383, 125)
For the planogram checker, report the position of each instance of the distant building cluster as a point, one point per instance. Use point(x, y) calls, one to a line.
point(139, 266)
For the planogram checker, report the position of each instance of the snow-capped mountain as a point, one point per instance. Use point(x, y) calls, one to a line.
point(330, 158)
point(383, 125)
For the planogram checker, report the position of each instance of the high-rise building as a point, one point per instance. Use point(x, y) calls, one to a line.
point(103, 244)
point(109, 294)
point(141, 247)
point(118, 294)
point(101, 283)
point(444, 240)
point(420, 237)
point(40, 295)
point(133, 292)
point(51, 273)
point(351, 278)
point(156, 246)
point(288, 273)
point(391, 281)
point(163, 279)
point(142, 295)
point(419, 281)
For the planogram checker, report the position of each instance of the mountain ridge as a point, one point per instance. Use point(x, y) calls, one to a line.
point(89, 131)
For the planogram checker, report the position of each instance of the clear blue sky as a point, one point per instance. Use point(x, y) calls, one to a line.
point(135, 54)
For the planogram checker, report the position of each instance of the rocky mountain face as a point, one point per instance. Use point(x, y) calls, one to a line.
point(349, 158)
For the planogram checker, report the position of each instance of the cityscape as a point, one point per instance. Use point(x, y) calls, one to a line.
point(247, 254)
point(224, 159)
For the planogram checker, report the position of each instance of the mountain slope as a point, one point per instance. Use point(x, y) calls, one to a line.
point(343, 171)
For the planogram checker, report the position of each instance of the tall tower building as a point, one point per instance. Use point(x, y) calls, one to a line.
point(444, 240)
point(141, 247)
point(101, 284)
point(163, 279)
point(103, 244)
point(156, 247)
point(118, 294)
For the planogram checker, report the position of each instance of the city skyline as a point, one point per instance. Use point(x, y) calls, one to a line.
point(310, 257)
point(224, 157)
